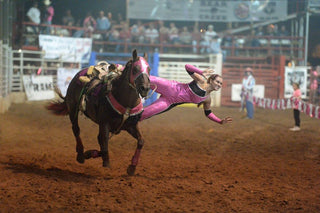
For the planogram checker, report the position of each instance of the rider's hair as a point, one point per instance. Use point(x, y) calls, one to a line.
point(212, 77)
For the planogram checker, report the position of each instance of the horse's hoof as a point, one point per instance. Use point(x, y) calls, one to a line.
point(91, 154)
point(131, 170)
point(80, 158)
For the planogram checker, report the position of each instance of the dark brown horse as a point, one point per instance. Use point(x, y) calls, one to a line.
point(115, 110)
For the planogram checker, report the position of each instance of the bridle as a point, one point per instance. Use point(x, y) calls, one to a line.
point(143, 64)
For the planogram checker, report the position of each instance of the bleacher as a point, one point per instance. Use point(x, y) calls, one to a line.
point(239, 52)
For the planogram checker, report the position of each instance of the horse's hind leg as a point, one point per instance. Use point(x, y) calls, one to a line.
point(103, 139)
point(134, 131)
point(76, 132)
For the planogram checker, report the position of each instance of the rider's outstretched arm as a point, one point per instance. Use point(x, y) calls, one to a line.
point(211, 116)
point(192, 69)
point(208, 112)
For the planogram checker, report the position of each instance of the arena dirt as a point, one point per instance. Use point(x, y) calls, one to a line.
point(188, 164)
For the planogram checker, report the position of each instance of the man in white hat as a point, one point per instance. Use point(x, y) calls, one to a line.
point(49, 13)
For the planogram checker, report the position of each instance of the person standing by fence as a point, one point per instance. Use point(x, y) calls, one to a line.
point(248, 85)
point(296, 97)
point(48, 16)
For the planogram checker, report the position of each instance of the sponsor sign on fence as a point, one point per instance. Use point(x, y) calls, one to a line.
point(38, 87)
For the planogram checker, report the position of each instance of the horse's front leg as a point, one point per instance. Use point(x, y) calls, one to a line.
point(103, 139)
point(134, 131)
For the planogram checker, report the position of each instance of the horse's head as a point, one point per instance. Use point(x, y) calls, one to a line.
point(139, 74)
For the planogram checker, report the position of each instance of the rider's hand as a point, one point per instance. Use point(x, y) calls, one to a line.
point(207, 72)
point(226, 120)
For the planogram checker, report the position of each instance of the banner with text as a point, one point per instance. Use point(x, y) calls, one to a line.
point(38, 87)
point(68, 49)
point(208, 10)
point(64, 77)
point(297, 74)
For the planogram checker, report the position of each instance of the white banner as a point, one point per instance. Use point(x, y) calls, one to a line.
point(258, 91)
point(297, 74)
point(64, 77)
point(69, 49)
point(38, 87)
point(208, 10)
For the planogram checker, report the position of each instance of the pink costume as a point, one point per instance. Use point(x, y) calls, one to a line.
point(296, 98)
point(174, 93)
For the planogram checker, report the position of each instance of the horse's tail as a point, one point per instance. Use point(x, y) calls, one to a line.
point(58, 107)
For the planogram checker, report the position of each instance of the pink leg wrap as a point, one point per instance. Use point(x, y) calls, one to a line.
point(136, 157)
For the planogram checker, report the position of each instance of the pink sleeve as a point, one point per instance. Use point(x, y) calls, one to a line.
point(212, 117)
point(191, 68)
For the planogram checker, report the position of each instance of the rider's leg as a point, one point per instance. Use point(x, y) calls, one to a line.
point(157, 107)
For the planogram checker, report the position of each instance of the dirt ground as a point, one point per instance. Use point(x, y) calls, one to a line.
point(188, 164)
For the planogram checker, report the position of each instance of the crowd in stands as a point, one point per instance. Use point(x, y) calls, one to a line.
point(103, 27)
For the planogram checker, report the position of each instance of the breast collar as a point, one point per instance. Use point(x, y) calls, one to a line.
point(121, 109)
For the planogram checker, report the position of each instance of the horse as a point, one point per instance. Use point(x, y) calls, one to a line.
point(116, 109)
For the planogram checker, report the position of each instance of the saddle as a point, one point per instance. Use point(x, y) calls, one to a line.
point(103, 73)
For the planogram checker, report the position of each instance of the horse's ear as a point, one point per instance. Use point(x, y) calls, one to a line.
point(134, 55)
point(145, 55)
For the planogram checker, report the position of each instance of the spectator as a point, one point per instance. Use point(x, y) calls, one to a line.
point(124, 35)
point(173, 33)
point(120, 19)
point(68, 19)
point(137, 33)
point(214, 45)
point(111, 20)
point(79, 33)
point(113, 36)
point(64, 31)
point(151, 35)
point(196, 37)
point(270, 31)
point(49, 13)
point(163, 32)
point(103, 24)
point(260, 31)
point(283, 31)
point(185, 36)
point(276, 30)
point(208, 36)
point(252, 40)
point(227, 42)
point(34, 16)
point(89, 25)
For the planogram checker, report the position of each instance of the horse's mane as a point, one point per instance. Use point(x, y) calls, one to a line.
point(124, 74)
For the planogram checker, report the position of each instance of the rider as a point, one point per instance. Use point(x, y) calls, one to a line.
point(174, 93)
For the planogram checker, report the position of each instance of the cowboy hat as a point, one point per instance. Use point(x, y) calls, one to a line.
point(46, 2)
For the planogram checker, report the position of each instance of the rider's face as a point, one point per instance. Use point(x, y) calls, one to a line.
point(217, 83)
